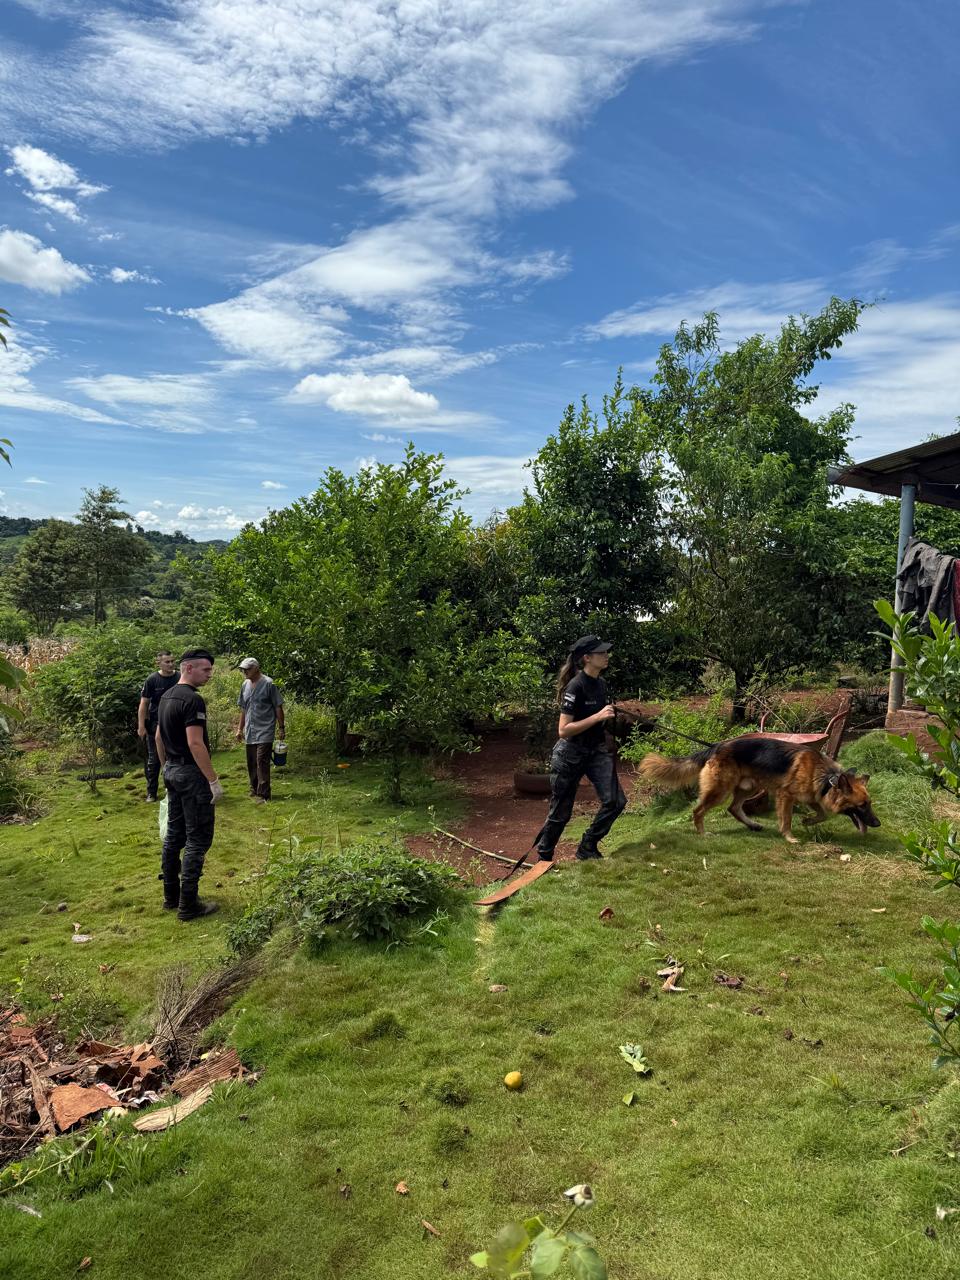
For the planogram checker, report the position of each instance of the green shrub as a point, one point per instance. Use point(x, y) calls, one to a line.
point(14, 626)
point(681, 728)
point(874, 753)
point(18, 795)
point(91, 695)
point(371, 891)
point(309, 729)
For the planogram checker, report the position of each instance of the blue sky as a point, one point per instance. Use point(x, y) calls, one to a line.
point(245, 240)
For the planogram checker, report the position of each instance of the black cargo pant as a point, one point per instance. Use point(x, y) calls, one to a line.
point(190, 819)
point(151, 769)
point(568, 764)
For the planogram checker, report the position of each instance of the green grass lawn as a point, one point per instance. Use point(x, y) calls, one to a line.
point(759, 1148)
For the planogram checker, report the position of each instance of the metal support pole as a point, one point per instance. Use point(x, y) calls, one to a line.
point(908, 496)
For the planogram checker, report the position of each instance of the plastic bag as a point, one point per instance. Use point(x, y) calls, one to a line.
point(162, 819)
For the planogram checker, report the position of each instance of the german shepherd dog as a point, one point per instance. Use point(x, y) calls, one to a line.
point(744, 766)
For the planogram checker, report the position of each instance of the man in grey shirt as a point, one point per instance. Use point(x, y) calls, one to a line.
point(261, 716)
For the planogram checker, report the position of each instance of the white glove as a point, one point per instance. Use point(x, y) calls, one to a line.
point(216, 790)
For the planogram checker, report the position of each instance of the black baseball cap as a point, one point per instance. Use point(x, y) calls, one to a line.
point(590, 644)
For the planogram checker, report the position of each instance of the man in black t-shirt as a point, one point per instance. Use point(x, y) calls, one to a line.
point(585, 715)
point(193, 787)
point(154, 687)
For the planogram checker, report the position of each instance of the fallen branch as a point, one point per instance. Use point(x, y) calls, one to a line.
point(476, 848)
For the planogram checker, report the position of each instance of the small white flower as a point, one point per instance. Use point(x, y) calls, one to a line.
point(581, 1195)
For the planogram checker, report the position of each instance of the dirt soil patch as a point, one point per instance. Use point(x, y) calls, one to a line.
point(497, 819)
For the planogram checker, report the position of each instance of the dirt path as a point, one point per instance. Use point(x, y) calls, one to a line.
point(498, 819)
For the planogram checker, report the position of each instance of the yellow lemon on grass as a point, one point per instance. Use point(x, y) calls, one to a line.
point(513, 1080)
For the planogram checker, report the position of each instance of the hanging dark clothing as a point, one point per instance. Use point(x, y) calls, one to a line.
point(925, 583)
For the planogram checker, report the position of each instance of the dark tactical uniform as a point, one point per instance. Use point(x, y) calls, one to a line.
point(190, 813)
point(154, 687)
point(573, 758)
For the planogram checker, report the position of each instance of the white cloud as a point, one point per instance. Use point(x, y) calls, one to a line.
point(436, 361)
point(44, 172)
point(377, 437)
point(56, 204)
point(162, 390)
point(271, 484)
point(271, 324)
point(120, 276)
point(24, 260)
point(744, 309)
point(901, 369)
point(202, 522)
point(17, 391)
point(493, 481)
point(372, 395)
point(45, 175)
point(35, 480)
point(483, 99)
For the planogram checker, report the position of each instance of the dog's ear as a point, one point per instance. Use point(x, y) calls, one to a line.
point(844, 781)
point(865, 778)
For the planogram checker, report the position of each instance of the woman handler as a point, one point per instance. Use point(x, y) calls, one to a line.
point(585, 711)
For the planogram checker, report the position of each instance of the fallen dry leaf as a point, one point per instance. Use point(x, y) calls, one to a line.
point(402, 1189)
point(672, 973)
point(787, 1033)
point(728, 980)
point(878, 911)
point(82, 937)
point(84, 1263)
point(606, 913)
point(346, 1191)
point(106, 968)
point(845, 857)
point(70, 1103)
point(430, 1227)
point(496, 987)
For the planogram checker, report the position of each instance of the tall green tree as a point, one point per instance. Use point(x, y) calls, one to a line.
point(110, 554)
point(747, 493)
point(48, 580)
point(347, 595)
point(594, 531)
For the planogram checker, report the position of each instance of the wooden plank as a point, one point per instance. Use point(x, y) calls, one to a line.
point(508, 890)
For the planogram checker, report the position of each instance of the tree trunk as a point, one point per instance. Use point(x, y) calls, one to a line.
point(340, 728)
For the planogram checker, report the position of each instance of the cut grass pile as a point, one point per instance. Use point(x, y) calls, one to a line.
point(759, 1148)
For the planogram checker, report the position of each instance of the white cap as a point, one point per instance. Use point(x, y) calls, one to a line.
point(248, 662)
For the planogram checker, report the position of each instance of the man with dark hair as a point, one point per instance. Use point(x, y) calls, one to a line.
point(154, 687)
point(193, 787)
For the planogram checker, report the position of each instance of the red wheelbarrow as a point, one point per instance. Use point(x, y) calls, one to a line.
point(827, 742)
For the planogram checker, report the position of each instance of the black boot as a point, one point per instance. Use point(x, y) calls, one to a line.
point(586, 854)
point(545, 855)
point(192, 908)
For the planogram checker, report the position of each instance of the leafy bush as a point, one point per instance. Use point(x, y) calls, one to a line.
point(372, 892)
point(91, 694)
point(81, 1003)
point(681, 728)
point(932, 678)
point(310, 729)
point(875, 753)
point(14, 626)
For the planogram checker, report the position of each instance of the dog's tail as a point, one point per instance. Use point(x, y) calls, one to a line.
point(674, 771)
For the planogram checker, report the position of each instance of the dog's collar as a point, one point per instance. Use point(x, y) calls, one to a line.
point(827, 784)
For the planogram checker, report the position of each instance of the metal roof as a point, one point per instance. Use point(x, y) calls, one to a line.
point(934, 467)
